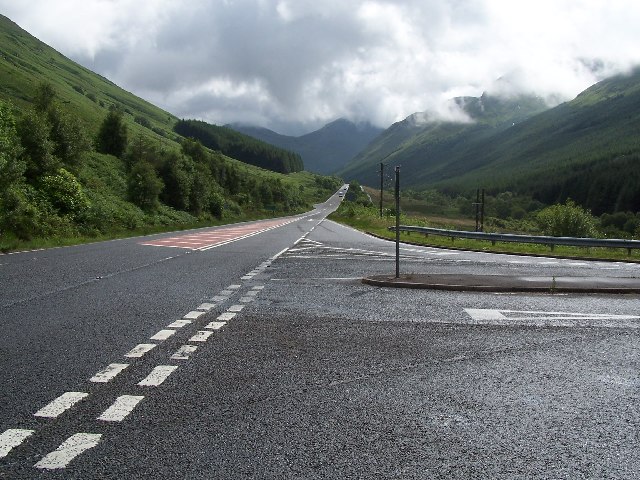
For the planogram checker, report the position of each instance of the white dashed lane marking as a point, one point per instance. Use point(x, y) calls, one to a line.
point(163, 335)
point(12, 438)
point(216, 325)
point(157, 376)
point(61, 404)
point(206, 306)
point(219, 298)
point(70, 449)
point(201, 336)
point(236, 308)
point(140, 350)
point(122, 407)
point(179, 324)
point(226, 316)
point(193, 315)
point(184, 352)
point(108, 373)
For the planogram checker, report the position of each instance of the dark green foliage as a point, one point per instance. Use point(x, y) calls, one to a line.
point(34, 130)
point(68, 136)
point(64, 192)
point(112, 136)
point(11, 167)
point(177, 173)
point(144, 186)
point(568, 220)
point(144, 121)
point(240, 147)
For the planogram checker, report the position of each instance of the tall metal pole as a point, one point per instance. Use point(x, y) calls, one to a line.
point(477, 204)
point(482, 213)
point(381, 185)
point(397, 222)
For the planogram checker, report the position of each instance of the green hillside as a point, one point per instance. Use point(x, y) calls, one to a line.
point(422, 145)
point(82, 158)
point(587, 149)
point(241, 147)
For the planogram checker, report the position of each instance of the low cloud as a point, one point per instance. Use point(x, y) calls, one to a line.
point(297, 64)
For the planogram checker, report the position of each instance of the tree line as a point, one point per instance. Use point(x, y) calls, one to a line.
point(241, 147)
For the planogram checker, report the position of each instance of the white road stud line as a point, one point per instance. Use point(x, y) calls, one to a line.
point(157, 376)
point(60, 404)
point(139, 350)
point(184, 352)
point(235, 308)
point(70, 449)
point(12, 438)
point(122, 407)
point(108, 373)
point(226, 316)
point(206, 306)
point(201, 336)
point(216, 325)
point(179, 324)
point(193, 314)
point(163, 335)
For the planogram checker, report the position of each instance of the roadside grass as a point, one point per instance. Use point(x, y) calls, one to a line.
point(367, 219)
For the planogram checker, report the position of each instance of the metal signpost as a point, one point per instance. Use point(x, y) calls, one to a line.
point(397, 222)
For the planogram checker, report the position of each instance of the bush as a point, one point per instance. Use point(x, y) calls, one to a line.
point(568, 220)
point(64, 192)
point(144, 186)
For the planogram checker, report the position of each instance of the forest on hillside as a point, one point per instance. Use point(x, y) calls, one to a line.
point(241, 147)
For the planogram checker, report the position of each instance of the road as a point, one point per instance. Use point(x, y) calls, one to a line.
point(254, 351)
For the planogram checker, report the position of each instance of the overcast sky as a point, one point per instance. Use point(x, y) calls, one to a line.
point(294, 65)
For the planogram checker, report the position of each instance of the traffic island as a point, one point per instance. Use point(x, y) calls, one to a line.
point(507, 283)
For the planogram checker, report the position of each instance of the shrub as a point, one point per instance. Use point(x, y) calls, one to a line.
point(64, 192)
point(568, 220)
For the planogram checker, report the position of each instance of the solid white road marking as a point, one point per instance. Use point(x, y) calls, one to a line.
point(193, 314)
point(139, 350)
point(566, 319)
point(163, 335)
point(184, 352)
point(201, 336)
point(179, 324)
point(122, 407)
point(157, 376)
point(12, 438)
point(206, 306)
point(61, 404)
point(70, 449)
point(216, 325)
point(226, 316)
point(235, 308)
point(108, 373)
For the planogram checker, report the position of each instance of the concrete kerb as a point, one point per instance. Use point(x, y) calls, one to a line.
point(508, 284)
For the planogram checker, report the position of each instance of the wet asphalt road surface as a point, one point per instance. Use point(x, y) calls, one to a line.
point(316, 375)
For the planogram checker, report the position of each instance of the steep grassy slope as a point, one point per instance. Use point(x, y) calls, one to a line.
point(423, 145)
point(587, 149)
point(58, 184)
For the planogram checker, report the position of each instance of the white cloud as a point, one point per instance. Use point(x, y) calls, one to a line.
point(282, 63)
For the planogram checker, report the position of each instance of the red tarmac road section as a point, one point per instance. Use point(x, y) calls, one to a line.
point(220, 236)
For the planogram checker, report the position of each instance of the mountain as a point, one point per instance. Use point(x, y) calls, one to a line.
point(81, 157)
point(324, 151)
point(423, 144)
point(586, 149)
